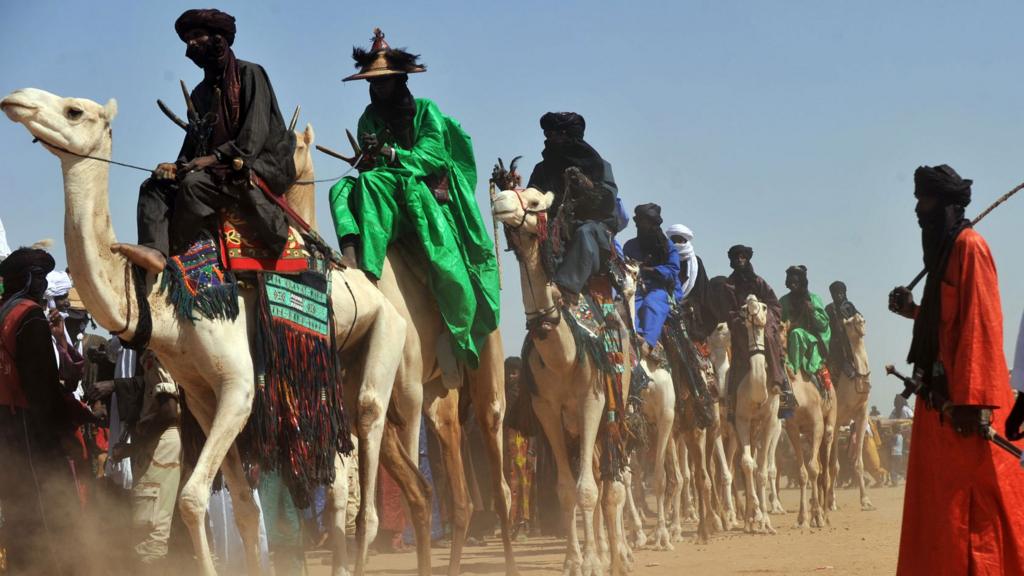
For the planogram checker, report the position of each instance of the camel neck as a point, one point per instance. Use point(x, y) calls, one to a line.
point(99, 275)
point(758, 375)
point(558, 349)
point(860, 354)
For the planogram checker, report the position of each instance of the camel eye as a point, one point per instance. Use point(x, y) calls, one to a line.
point(73, 113)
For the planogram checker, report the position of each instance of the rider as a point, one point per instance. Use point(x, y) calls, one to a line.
point(659, 274)
point(809, 334)
point(840, 352)
point(247, 128)
point(693, 281)
point(415, 186)
point(743, 282)
point(596, 216)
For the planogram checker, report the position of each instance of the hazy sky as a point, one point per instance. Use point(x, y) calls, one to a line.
point(794, 127)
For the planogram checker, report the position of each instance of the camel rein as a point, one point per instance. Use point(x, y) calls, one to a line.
point(537, 317)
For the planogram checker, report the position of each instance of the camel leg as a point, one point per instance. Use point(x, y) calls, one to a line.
point(752, 508)
point(551, 421)
point(415, 490)
point(665, 420)
point(702, 482)
point(860, 428)
point(711, 465)
point(829, 468)
point(247, 512)
point(337, 502)
point(689, 508)
point(676, 529)
point(442, 411)
point(233, 404)
point(725, 489)
point(613, 501)
point(813, 474)
point(775, 430)
point(639, 537)
point(487, 391)
point(793, 431)
point(591, 410)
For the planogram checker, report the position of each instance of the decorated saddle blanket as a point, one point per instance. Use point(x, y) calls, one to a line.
point(298, 422)
point(244, 250)
point(197, 284)
point(694, 360)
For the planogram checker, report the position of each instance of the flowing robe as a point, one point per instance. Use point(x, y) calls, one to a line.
point(659, 285)
point(395, 203)
point(964, 506)
point(809, 334)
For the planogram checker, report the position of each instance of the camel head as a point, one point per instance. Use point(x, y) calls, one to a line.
point(855, 326)
point(518, 209)
point(754, 312)
point(720, 337)
point(75, 124)
point(303, 156)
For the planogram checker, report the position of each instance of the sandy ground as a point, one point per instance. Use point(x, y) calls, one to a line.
point(855, 543)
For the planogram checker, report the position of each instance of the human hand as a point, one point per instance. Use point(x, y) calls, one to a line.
point(901, 301)
point(200, 163)
point(121, 451)
point(100, 390)
point(369, 141)
point(166, 171)
point(57, 327)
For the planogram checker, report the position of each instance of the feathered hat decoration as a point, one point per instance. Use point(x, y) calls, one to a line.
point(382, 60)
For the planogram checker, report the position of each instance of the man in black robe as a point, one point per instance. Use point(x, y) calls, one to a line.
point(37, 418)
point(840, 353)
point(742, 282)
point(181, 199)
point(595, 217)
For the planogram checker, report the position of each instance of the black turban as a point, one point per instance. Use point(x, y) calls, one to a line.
point(741, 250)
point(513, 363)
point(23, 262)
point(209, 19)
point(649, 211)
point(799, 271)
point(943, 183)
point(836, 288)
point(570, 123)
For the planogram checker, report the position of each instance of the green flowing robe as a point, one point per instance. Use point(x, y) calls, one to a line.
point(392, 203)
point(808, 340)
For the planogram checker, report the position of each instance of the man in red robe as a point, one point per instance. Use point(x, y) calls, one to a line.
point(964, 506)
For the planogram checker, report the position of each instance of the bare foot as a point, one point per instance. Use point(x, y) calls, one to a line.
point(148, 258)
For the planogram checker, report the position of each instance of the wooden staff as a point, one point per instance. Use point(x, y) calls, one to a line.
point(497, 242)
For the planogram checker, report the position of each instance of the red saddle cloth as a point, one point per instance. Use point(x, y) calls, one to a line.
point(242, 250)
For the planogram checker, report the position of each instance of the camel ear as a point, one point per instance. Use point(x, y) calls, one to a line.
point(308, 135)
point(549, 198)
point(110, 110)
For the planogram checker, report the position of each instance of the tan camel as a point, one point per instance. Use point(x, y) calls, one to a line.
point(814, 420)
point(852, 404)
point(209, 359)
point(419, 389)
point(569, 399)
point(757, 407)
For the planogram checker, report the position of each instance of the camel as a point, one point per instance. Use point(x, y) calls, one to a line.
point(815, 420)
point(725, 445)
point(852, 404)
point(419, 388)
point(569, 397)
point(209, 359)
point(757, 407)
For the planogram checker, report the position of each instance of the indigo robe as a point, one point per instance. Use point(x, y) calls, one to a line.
point(659, 284)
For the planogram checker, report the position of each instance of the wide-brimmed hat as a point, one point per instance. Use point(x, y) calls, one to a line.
point(382, 60)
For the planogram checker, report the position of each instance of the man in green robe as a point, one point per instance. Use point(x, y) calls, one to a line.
point(416, 186)
point(809, 332)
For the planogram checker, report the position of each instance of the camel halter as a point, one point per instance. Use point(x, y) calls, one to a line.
point(536, 317)
point(753, 347)
point(526, 211)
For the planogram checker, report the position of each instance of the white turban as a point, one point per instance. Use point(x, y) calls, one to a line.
point(679, 230)
point(57, 284)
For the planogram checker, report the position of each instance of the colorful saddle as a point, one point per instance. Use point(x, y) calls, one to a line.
point(242, 250)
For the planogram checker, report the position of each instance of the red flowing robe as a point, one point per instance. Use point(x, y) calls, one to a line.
point(964, 506)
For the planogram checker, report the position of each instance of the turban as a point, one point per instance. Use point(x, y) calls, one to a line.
point(679, 230)
point(800, 271)
point(741, 250)
point(837, 288)
point(209, 19)
point(943, 183)
point(57, 284)
point(650, 212)
point(16, 268)
point(570, 123)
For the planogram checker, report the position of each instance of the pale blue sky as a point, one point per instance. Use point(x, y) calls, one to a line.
point(794, 127)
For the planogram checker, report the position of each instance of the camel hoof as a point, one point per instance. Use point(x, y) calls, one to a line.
point(592, 566)
point(867, 506)
point(717, 522)
point(833, 507)
point(571, 568)
point(640, 540)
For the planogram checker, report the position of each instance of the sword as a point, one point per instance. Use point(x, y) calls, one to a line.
point(911, 386)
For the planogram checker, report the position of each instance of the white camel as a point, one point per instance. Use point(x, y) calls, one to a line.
point(569, 399)
point(209, 359)
point(852, 404)
point(725, 444)
point(757, 407)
